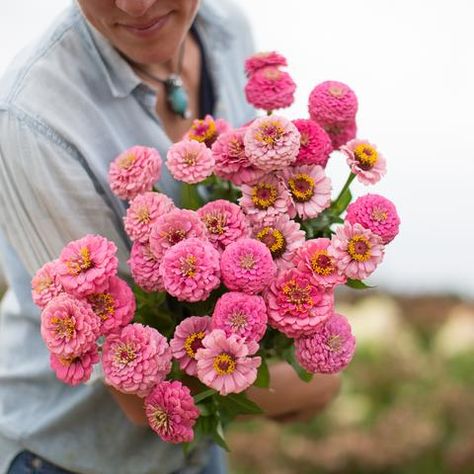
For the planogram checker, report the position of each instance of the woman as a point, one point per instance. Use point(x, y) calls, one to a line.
point(98, 82)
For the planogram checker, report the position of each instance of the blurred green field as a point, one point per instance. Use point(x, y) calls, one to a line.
point(406, 406)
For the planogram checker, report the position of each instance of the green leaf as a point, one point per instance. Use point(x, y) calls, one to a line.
point(203, 395)
point(357, 284)
point(218, 437)
point(238, 404)
point(290, 357)
point(263, 375)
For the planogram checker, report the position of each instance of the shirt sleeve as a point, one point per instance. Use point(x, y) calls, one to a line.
point(47, 197)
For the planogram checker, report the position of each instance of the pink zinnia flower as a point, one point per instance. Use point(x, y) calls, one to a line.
point(177, 225)
point(225, 223)
point(145, 268)
point(315, 143)
point(313, 258)
point(332, 103)
point(135, 359)
point(190, 161)
point(69, 327)
point(134, 171)
point(266, 200)
point(76, 369)
point(241, 314)
point(262, 60)
point(357, 250)
point(270, 89)
point(171, 412)
point(247, 266)
point(309, 188)
point(223, 363)
point(341, 134)
point(187, 339)
point(365, 161)
point(272, 143)
point(143, 212)
point(330, 349)
point(282, 236)
point(207, 130)
point(45, 285)
point(190, 270)
point(295, 305)
point(115, 306)
point(86, 265)
point(376, 213)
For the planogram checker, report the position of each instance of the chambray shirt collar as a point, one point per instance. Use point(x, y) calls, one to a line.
point(119, 75)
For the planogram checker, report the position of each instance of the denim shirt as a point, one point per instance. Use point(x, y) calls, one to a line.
point(68, 106)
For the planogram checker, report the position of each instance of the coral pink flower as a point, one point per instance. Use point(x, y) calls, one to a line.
point(241, 314)
point(145, 268)
point(135, 359)
point(295, 306)
point(187, 339)
point(376, 213)
point(266, 200)
point(174, 227)
point(247, 266)
point(270, 89)
point(115, 306)
point(74, 370)
point(190, 270)
point(315, 144)
point(341, 134)
point(134, 171)
point(225, 223)
point(365, 161)
point(282, 236)
point(272, 143)
point(69, 327)
point(171, 412)
point(313, 258)
point(329, 350)
point(45, 285)
point(190, 161)
point(262, 60)
point(207, 130)
point(223, 363)
point(85, 265)
point(357, 250)
point(332, 103)
point(143, 212)
point(309, 188)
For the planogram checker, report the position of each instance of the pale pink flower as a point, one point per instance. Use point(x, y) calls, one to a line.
point(69, 327)
point(225, 223)
point(247, 266)
point(224, 362)
point(143, 212)
point(190, 270)
point(309, 189)
point(357, 250)
point(365, 161)
point(171, 412)
point(376, 213)
point(85, 265)
point(145, 268)
point(315, 143)
point(115, 306)
point(263, 59)
point(329, 350)
point(135, 359)
point(207, 130)
point(75, 369)
point(295, 305)
point(282, 236)
point(187, 339)
point(241, 314)
point(190, 161)
point(313, 258)
point(177, 225)
point(45, 285)
point(135, 171)
point(272, 143)
point(341, 134)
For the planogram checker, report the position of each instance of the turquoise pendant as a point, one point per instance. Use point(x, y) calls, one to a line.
point(177, 96)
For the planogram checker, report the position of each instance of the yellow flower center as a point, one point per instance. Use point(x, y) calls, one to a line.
point(359, 248)
point(224, 364)
point(274, 240)
point(238, 320)
point(203, 131)
point(337, 91)
point(65, 326)
point(215, 223)
point(247, 262)
point(273, 74)
point(322, 263)
point(126, 161)
point(297, 295)
point(366, 155)
point(143, 215)
point(301, 187)
point(335, 343)
point(124, 354)
point(81, 262)
point(304, 139)
point(188, 266)
point(66, 361)
point(235, 147)
point(193, 343)
point(264, 195)
point(379, 214)
point(270, 133)
point(173, 236)
point(190, 158)
point(103, 305)
point(162, 420)
point(43, 284)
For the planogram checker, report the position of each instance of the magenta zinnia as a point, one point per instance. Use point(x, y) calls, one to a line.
point(145, 268)
point(262, 60)
point(45, 285)
point(315, 144)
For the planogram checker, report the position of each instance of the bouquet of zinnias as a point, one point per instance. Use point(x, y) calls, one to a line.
point(241, 275)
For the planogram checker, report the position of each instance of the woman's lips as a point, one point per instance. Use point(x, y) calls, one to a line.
point(146, 29)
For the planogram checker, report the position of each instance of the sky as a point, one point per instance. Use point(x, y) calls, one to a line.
point(410, 63)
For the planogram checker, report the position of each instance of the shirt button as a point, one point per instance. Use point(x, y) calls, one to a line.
point(36, 463)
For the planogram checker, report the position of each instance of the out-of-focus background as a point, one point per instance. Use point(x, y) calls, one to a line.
point(407, 403)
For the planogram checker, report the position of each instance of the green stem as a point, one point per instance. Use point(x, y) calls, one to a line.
point(344, 189)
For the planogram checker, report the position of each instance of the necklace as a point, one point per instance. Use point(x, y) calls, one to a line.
point(176, 95)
